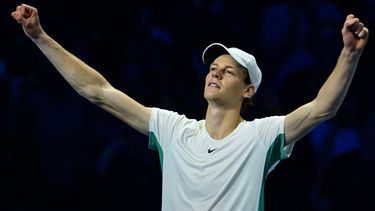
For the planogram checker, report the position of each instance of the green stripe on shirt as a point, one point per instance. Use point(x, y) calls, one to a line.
point(154, 145)
point(275, 153)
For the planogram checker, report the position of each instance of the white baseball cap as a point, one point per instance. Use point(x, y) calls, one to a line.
point(243, 58)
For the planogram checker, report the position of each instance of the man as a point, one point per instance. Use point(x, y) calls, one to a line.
point(221, 162)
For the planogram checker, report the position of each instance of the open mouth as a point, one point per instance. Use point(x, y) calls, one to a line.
point(215, 85)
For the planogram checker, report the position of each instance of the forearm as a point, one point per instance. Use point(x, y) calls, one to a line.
point(331, 95)
point(84, 79)
point(334, 90)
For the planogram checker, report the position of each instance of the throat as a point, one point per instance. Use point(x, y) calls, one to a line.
point(222, 129)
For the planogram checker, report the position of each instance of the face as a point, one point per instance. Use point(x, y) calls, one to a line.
point(225, 82)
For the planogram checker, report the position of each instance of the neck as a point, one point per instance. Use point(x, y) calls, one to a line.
point(221, 122)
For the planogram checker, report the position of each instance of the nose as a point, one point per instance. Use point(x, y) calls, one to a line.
point(215, 74)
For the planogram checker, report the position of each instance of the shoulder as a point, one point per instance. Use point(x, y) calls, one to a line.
point(268, 125)
point(168, 117)
point(276, 119)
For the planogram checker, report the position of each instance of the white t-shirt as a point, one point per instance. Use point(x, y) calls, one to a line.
point(200, 173)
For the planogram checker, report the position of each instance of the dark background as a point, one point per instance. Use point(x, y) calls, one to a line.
point(60, 152)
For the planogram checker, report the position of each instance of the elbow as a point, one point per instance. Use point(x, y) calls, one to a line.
point(323, 115)
point(92, 93)
point(324, 111)
point(328, 115)
point(331, 114)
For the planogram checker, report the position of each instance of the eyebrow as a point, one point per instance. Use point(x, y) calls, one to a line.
point(226, 66)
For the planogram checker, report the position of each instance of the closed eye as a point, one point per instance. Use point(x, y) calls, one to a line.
point(229, 72)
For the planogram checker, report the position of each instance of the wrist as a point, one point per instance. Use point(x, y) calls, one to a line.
point(350, 54)
point(39, 38)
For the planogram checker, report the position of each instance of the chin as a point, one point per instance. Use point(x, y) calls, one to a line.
point(211, 97)
point(208, 96)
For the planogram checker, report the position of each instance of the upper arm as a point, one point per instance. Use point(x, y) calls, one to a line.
point(125, 108)
point(302, 120)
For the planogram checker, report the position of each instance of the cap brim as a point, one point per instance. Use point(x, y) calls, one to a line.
point(212, 52)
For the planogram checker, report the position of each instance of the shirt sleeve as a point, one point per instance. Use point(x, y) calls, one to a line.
point(163, 127)
point(272, 135)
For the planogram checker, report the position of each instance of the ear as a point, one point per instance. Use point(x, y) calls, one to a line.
point(249, 91)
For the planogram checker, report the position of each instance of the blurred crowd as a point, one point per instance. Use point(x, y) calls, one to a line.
point(57, 150)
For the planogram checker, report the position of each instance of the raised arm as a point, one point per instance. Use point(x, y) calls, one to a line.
point(331, 95)
point(84, 79)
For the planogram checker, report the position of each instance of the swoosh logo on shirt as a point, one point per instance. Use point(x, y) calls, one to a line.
point(211, 150)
